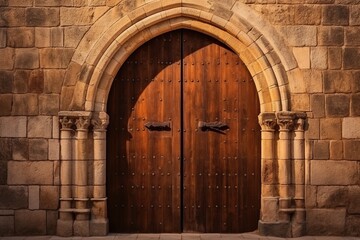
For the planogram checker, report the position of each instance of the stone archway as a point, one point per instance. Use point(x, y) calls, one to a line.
point(99, 57)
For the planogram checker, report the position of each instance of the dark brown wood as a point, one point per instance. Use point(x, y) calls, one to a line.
point(201, 174)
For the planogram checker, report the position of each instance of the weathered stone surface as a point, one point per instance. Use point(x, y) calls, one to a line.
point(307, 14)
point(6, 225)
point(336, 15)
point(8, 57)
point(42, 17)
point(20, 149)
point(13, 126)
point(13, 197)
point(73, 35)
point(21, 37)
point(337, 82)
point(27, 58)
point(332, 196)
point(351, 56)
point(336, 150)
point(331, 36)
point(34, 197)
point(30, 222)
point(330, 128)
point(36, 81)
point(354, 196)
point(356, 81)
point(49, 104)
point(355, 15)
point(300, 36)
point(302, 55)
point(53, 80)
point(5, 104)
point(21, 81)
point(352, 36)
point(49, 197)
point(42, 37)
point(355, 105)
point(300, 102)
point(51, 219)
point(319, 58)
point(40, 127)
point(337, 105)
point(314, 82)
point(57, 37)
point(25, 104)
point(321, 150)
point(3, 172)
point(351, 128)
point(328, 172)
point(6, 148)
point(38, 149)
point(334, 58)
point(313, 129)
point(54, 149)
point(6, 82)
point(318, 105)
point(55, 58)
point(352, 225)
point(12, 17)
point(325, 221)
point(30, 172)
point(2, 37)
point(352, 150)
point(85, 15)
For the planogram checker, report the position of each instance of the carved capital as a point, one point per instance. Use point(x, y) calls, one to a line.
point(66, 123)
point(300, 121)
point(82, 123)
point(100, 121)
point(267, 121)
point(286, 120)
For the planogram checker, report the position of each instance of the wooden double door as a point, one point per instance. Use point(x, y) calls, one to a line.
point(183, 143)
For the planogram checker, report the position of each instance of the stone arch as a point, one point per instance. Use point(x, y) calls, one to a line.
point(107, 45)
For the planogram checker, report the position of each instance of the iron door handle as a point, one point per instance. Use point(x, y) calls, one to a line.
point(158, 126)
point(213, 126)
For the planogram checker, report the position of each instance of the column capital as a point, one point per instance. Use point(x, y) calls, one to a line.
point(100, 121)
point(82, 123)
point(286, 120)
point(66, 123)
point(267, 121)
point(300, 121)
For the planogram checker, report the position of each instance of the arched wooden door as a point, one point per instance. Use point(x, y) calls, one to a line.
point(183, 144)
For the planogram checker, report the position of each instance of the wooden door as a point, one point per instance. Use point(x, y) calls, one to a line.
point(183, 139)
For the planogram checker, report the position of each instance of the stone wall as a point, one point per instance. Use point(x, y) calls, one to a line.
point(38, 39)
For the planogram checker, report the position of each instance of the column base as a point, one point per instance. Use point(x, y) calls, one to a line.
point(64, 228)
point(276, 229)
point(99, 227)
point(82, 228)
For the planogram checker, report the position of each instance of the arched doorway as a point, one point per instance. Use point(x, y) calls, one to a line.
point(183, 143)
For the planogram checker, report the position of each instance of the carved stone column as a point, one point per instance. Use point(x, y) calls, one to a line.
point(81, 195)
point(99, 221)
point(65, 221)
point(299, 219)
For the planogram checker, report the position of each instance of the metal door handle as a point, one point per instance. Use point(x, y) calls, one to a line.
point(213, 126)
point(158, 126)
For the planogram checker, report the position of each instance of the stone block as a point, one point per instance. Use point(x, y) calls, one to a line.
point(51, 219)
point(55, 57)
point(21, 37)
point(82, 228)
point(36, 81)
point(328, 172)
point(27, 58)
point(5, 104)
point(73, 35)
point(336, 150)
point(49, 197)
point(332, 196)
point(20, 149)
point(13, 126)
point(307, 14)
point(21, 81)
point(300, 102)
point(6, 225)
point(313, 129)
point(13, 197)
point(337, 82)
point(355, 15)
point(337, 105)
point(314, 81)
point(85, 15)
point(334, 58)
point(64, 228)
point(57, 37)
point(46, 17)
point(6, 148)
point(336, 14)
point(12, 17)
point(352, 226)
point(38, 149)
point(3, 38)
point(354, 196)
point(40, 127)
point(42, 37)
point(356, 81)
point(310, 196)
point(331, 36)
point(302, 55)
point(330, 128)
point(318, 105)
point(352, 150)
point(49, 104)
point(54, 149)
point(30, 172)
point(300, 36)
point(350, 59)
point(352, 36)
point(355, 105)
point(3, 172)
point(34, 193)
point(56, 127)
point(99, 227)
point(8, 57)
point(53, 80)
point(321, 150)
point(30, 222)
point(6, 82)
point(351, 127)
point(319, 58)
point(25, 104)
point(325, 221)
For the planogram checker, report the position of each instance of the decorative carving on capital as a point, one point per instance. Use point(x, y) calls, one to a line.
point(286, 120)
point(82, 123)
point(66, 123)
point(100, 121)
point(300, 121)
point(267, 121)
